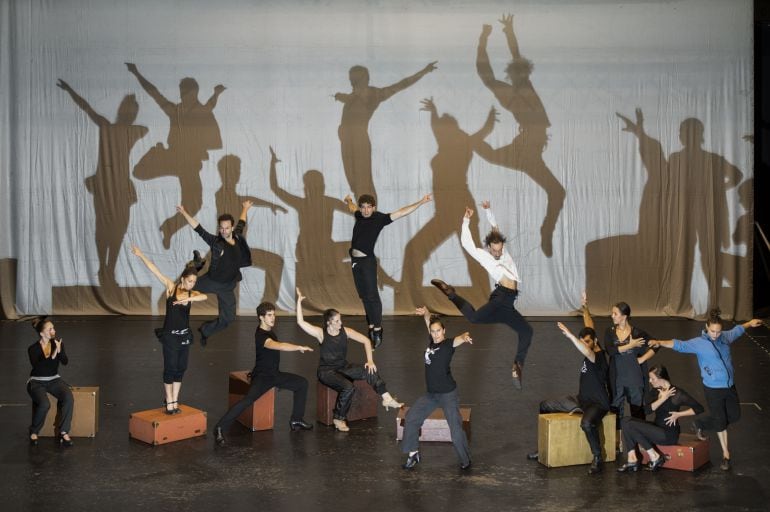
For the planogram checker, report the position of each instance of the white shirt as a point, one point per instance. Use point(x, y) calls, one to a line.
point(497, 269)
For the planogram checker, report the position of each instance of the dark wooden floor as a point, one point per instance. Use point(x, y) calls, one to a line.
point(360, 470)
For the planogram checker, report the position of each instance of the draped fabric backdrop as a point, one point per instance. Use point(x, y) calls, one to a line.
point(621, 165)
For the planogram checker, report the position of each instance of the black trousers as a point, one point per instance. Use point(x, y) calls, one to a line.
point(260, 384)
point(499, 309)
point(645, 434)
point(724, 409)
point(176, 353)
point(341, 381)
point(365, 278)
point(590, 424)
point(225, 293)
point(635, 397)
point(38, 390)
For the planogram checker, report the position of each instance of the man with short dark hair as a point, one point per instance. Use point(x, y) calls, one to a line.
point(593, 398)
point(229, 252)
point(266, 375)
point(369, 223)
point(500, 306)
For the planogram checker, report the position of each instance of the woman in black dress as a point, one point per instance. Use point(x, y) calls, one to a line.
point(45, 356)
point(669, 404)
point(175, 334)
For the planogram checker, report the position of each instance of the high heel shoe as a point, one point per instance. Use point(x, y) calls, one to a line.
point(391, 402)
point(630, 467)
point(169, 411)
point(412, 461)
point(67, 443)
point(341, 425)
point(33, 440)
point(654, 465)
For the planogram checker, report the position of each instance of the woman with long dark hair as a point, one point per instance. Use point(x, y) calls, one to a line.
point(669, 404)
point(175, 335)
point(44, 356)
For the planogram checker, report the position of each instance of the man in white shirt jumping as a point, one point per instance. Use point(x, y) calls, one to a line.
point(500, 308)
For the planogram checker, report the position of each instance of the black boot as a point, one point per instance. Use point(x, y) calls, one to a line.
point(376, 337)
point(596, 466)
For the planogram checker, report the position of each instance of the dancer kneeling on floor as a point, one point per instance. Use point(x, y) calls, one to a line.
point(442, 392)
point(175, 334)
point(45, 356)
point(266, 375)
point(334, 370)
point(669, 404)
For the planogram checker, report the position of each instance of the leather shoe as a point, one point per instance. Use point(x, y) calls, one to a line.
point(699, 432)
point(300, 425)
point(67, 443)
point(197, 261)
point(219, 438)
point(412, 461)
point(376, 337)
point(596, 466)
point(656, 464)
point(446, 289)
point(516, 374)
point(630, 467)
point(725, 465)
point(465, 467)
point(533, 456)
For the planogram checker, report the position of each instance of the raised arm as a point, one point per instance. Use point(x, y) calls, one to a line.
point(510, 37)
point(483, 66)
point(167, 106)
point(212, 102)
point(487, 128)
point(192, 221)
point(587, 320)
point(245, 205)
point(352, 206)
point(290, 199)
point(367, 343)
point(424, 312)
point(168, 283)
point(387, 92)
point(487, 206)
point(587, 352)
point(429, 106)
point(309, 328)
point(82, 103)
point(650, 150)
point(406, 210)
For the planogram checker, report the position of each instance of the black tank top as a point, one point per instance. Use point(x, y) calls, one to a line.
point(334, 350)
point(177, 319)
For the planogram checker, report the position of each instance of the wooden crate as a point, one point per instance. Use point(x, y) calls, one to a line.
point(561, 441)
point(85, 414)
point(261, 414)
point(156, 427)
point(435, 427)
point(364, 403)
point(689, 455)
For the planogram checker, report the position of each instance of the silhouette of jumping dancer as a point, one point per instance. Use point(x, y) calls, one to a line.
point(450, 188)
point(111, 187)
point(525, 152)
point(193, 132)
point(228, 200)
point(358, 109)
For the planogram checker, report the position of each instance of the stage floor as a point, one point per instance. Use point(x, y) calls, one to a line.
point(359, 470)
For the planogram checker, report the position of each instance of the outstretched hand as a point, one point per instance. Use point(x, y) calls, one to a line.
point(430, 67)
point(370, 367)
point(421, 311)
point(507, 21)
point(304, 348)
point(219, 89)
point(635, 128)
point(131, 67)
point(468, 212)
point(428, 105)
point(565, 330)
point(486, 29)
point(273, 157)
point(136, 251)
point(248, 203)
point(61, 84)
point(427, 198)
point(300, 297)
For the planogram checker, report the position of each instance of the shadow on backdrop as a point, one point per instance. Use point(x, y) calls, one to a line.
point(113, 195)
point(450, 194)
point(525, 152)
point(358, 108)
point(193, 132)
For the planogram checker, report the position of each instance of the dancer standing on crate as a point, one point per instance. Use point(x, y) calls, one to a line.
point(593, 399)
point(369, 223)
point(442, 392)
point(229, 253)
point(500, 307)
point(175, 335)
point(266, 375)
point(334, 370)
point(669, 404)
point(44, 356)
point(712, 349)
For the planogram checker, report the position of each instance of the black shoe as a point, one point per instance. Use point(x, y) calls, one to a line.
point(533, 456)
point(656, 464)
point(67, 443)
point(197, 261)
point(596, 466)
point(376, 337)
point(203, 339)
point(699, 432)
point(516, 374)
point(465, 467)
point(446, 289)
point(630, 467)
point(219, 438)
point(412, 461)
point(300, 425)
point(33, 442)
point(725, 465)
point(167, 410)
